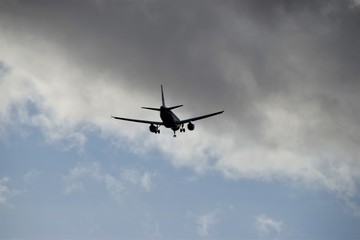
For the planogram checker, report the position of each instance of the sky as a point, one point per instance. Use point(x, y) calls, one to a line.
point(282, 161)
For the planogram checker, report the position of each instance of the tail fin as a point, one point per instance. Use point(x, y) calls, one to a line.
point(162, 96)
point(163, 103)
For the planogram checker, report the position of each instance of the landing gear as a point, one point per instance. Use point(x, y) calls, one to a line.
point(174, 134)
point(182, 129)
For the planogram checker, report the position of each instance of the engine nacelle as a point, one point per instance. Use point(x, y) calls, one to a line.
point(191, 126)
point(153, 128)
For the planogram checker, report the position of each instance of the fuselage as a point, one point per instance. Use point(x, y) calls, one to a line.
point(169, 118)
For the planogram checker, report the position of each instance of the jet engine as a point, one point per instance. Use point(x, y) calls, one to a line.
point(191, 126)
point(153, 129)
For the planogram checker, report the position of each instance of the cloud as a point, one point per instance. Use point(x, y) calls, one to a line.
point(73, 179)
point(114, 187)
point(266, 225)
point(117, 185)
point(30, 175)
point(286, 75)
point(205, 222)
point(137, 178)
point(4, 70)
point(6, 193)
point(356, 3)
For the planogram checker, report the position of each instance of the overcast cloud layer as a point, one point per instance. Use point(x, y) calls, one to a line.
point(285, 72)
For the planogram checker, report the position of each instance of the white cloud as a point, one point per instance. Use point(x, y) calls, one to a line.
point(266, 225)
point(147, 181)
point(73, 181)
point(6, 193)
point(116, 185)
point(137, 178)
point(30, 175)
point(205, 222)
point(352, 206)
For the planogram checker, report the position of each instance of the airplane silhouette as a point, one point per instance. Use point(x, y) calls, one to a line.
point(169, 119)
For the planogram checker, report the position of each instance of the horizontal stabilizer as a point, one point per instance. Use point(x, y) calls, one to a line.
point(171, 108)
point(149, 108)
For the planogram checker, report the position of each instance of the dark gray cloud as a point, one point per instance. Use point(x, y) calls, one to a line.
point(182, 42)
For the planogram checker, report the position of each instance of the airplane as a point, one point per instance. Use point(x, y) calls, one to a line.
point(169, 119)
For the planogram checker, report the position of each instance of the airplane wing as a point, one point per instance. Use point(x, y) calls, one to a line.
point(139, 121)
point(198, 118)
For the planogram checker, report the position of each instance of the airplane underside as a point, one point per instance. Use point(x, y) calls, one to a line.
point(156, 130)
